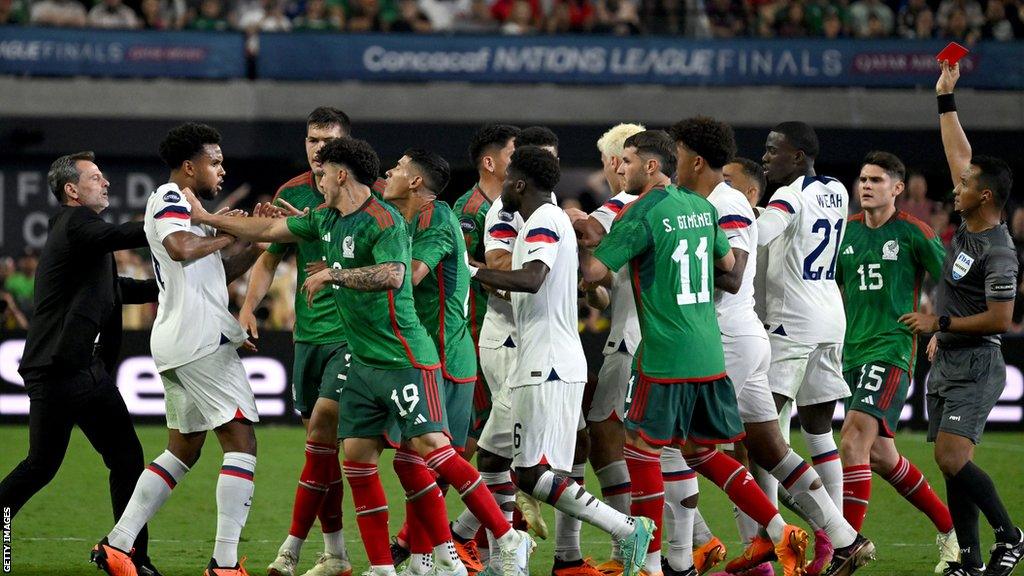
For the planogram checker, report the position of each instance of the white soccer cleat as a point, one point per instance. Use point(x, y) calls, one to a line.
point(284, 564)
point(330, 565)
point(515, 558)
point(445, 567)
point(949, 550)
point(380, 571)
point(532, 514)
point(419, 565)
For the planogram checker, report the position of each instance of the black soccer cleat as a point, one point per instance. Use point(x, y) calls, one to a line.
point(145, 567)
point(846, 561)
point(399, 554)
point(958, 569)
point(668, 570)
point(1005, 557)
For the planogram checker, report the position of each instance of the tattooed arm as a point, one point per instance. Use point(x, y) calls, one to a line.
point(376, 278)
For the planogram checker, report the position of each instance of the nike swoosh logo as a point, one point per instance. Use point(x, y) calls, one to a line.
point(532, 251)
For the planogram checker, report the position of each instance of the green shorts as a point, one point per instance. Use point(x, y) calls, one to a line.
point(458, 403)
point(481, 407)
point(880, 390)
point(663, 414)
point(374, 400)
point(318, 372)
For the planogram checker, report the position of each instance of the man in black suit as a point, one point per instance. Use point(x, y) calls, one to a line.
point(74, 340)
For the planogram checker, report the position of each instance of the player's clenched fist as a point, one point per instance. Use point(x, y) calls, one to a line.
point(919, 322)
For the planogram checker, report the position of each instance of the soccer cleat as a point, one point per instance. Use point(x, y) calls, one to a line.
point(530, 508)
point(514, 559)
point(284, 564)
point(792, 551)
point(634, 546)
point(399, 553)
point(611, 567)
point(380, 571)
point(1005, 556)
point(759, 551)
point(668, 570)
point(581, 568)
point(416, 568)
point(469, 554)
point(957, 569)
point(708, 556)
point(949, 550)
point(822, 553)
point(445, 567)
point(847, 560)
point(763, 569)
point(144, 566)
point(212, 569)
point(330, 565)
point(113, 561)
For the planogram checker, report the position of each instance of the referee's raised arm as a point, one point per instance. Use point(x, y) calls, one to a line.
point(954, 140)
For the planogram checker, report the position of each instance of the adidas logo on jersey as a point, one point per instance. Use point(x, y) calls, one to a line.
point(420, 419)
point(326, 237)
point(868, 400)
point(849, 249)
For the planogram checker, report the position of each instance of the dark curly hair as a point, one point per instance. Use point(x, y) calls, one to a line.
point(655, 143)
point(490, 136)
point(537, 136)
point(537, 166)
point(432, 166)
point(185, 142)
point(355, 155)
point(708, 138)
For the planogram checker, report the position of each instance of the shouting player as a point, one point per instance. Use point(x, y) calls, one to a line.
point(550, 371)
point(394, 371)
point(703, 147)
point(882, 263)
point(974, 307)
point(440, 276)
point(194, 345)
point(320, 355)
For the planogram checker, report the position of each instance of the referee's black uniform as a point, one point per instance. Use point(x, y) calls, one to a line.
point(72, 342)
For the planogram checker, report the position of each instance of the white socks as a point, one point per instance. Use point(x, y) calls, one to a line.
point(615, 488)
point(680, 484)
point(825, 458)
point(574, 500)
point(234, 496)
point(151, 491)
point(567, 528)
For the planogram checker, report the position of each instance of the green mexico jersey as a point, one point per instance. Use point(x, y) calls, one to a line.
point(317, 323)
point(670, 237)
point(471, 210)
point(382, 328)
point(442, 296)
point(880, 271)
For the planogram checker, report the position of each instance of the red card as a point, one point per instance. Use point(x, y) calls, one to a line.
point(953, 52)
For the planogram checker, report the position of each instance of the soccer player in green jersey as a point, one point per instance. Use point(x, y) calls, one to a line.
point(394, 371)
point(882, 261)
point(440, 276)
point(490, 152)
point(673, 243)
point(321, 354)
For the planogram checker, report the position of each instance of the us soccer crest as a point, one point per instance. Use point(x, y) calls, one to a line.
point(348, 247)
point(962, 265)
point(891, 250)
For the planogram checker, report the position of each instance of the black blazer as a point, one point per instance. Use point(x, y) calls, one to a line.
point(78, 293)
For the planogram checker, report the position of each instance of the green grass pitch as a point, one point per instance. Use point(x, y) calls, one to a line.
point(53, 533)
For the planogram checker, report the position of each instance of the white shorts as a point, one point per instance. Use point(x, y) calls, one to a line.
point(747, 359)
point(610, 394)
point(208, 392)
point(496, 436)
point(807, 373)
point(545, 419)
point(496, 365)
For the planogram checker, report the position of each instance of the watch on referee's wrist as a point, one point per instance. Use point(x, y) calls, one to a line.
point(944, 323)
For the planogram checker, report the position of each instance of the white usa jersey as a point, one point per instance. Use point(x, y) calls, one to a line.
point(736, 316)
point(500, 231)
point(802, 297)
point(549, 345)
point(625, 329)
point(192, 318)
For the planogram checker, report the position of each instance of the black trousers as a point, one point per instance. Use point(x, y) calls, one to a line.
point(89, 399)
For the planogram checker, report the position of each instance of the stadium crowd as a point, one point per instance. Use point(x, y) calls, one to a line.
point(965, 21)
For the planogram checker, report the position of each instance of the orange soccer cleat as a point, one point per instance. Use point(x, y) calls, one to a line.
point(709, 555)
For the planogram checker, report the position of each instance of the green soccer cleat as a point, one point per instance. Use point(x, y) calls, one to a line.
point(634, 546)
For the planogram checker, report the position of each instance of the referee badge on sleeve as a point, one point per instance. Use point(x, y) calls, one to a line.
point(962, 265)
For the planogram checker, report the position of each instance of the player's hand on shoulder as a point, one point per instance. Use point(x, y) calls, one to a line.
point(947, 78)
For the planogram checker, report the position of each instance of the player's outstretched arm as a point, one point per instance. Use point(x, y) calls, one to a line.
point(252, 229)
point(954, 140)
point(529, 278)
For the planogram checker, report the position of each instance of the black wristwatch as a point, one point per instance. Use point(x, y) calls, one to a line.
point(943, 323)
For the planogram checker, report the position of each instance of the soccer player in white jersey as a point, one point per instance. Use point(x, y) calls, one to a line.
point(703, 147)
point(803, 227)
point(194, 343)
point(550, 371)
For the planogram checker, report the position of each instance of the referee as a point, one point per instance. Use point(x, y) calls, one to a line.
point(974, 306)
point(75, 338)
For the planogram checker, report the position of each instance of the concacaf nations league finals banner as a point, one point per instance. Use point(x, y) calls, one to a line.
point(269, 373)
